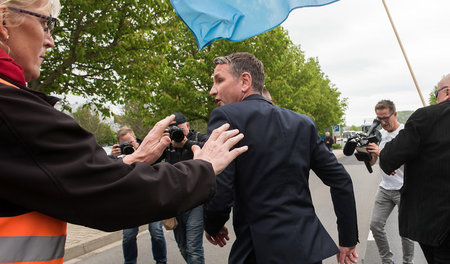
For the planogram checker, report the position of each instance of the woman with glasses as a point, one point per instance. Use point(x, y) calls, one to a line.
point(52, 170)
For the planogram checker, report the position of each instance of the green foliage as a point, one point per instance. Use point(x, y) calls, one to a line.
point(133, 119)
point(336, 146)
point(402, 116)
point(91, 122)
point(140, 53)
point(354, 128)
point(431, 97)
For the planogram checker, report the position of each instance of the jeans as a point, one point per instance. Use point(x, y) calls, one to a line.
point(129, 244)
point(385, 201)
point(189, 235)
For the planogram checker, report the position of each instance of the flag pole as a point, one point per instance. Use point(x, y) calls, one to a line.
point(404, 54)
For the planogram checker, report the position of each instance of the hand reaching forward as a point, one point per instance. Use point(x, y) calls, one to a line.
point(217, 149)
point(220, 239)
point(153, 144)
point(347, 255)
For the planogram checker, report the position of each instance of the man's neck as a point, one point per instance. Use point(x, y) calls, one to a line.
point(397, 124)
point(248, 94)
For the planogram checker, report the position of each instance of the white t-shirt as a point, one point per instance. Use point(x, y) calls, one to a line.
point(391, 182)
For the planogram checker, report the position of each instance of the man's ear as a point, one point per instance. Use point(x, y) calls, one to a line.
point(246, 81)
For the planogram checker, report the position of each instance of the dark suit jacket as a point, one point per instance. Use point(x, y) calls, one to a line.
point(424, 147)
point(273, 215)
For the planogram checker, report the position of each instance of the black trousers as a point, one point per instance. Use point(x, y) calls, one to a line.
point(439, 254)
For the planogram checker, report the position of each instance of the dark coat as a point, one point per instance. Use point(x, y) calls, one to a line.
point(424, 147)
point(267, 186)
point(51, 165)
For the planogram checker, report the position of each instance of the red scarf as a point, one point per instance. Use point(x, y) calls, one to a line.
point(11, 69)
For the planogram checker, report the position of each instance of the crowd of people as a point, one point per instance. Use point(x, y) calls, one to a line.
point(254, 159)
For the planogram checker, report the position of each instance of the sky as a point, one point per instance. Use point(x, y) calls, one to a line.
point(358, 51)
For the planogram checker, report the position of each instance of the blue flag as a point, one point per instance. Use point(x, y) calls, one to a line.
point(235, 20)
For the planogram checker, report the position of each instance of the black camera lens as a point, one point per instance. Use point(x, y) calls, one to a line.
point(176, 134)
point(126, 148)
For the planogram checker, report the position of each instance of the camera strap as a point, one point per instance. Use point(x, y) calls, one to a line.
point(196, 135)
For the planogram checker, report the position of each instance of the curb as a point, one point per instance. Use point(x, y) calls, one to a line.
point(88, 246)
point(99, 241)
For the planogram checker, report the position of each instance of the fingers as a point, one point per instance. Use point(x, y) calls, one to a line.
point(195, 149)
point(210, 239)
point(217, 240)
point(230, 138)
point(238, 151)
point(160, 126)
point(221, 239)
point(347, 255)
point(341, 258)
point(353, 257)
point(218, 131)
point(162, 144)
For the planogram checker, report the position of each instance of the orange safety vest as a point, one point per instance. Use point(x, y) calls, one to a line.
point(7, 83)
point(31, 238)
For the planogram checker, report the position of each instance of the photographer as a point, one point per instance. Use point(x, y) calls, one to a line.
point(388, 194)
point(128, 143)
point(189, 231)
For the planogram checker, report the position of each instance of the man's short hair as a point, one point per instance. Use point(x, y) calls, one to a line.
point(123, 131)
point(383, 104)
point(241, 62)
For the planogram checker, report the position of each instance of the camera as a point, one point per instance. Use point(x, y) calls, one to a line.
point(359, 143)
point(175, 133)
point(126, 148)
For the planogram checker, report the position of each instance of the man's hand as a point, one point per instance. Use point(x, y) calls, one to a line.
point(220, 239)
point(179, 144)
point(347, 255)
point(373, 148)
point(217, 149)
point(153, 144)
point(115, 151)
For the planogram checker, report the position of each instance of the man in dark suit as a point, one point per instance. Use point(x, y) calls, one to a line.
point(424, 147)
point(273, 214)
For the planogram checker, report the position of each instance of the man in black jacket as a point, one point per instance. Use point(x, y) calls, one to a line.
point(189, 231)
point(273, 215)
point(423, 146)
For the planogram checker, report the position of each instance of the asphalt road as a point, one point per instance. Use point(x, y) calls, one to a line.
point(365, 185)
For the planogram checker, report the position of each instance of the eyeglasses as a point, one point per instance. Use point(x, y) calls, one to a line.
point(50, 22)
point(438, 90)
point(384, 118)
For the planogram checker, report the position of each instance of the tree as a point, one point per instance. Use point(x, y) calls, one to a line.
point(91, 122)
point(431, 97)
point(132, 118)
point(105, 50)
point(140, 53)
point(354, 128)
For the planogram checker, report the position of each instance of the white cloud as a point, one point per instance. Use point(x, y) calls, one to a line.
point(357, 49)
